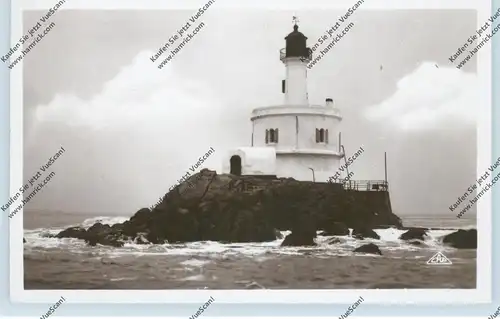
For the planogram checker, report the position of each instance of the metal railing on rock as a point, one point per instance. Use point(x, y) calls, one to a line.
point(366, 185)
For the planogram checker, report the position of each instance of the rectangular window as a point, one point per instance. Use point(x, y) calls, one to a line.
point(272, 135)
point(321, 135)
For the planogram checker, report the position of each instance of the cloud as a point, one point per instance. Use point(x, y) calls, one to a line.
point(139, 91)
point(128, 144)
point(430, 98)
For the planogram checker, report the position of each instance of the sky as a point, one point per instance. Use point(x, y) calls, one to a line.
point(131, 130)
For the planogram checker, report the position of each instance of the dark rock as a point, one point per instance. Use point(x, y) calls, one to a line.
point(97, 234)
point(230, 208)
point(303, 232)
point(73, 232)
point(24, 240)
point(335, 229)
point(99, 228)
point(141, 216)
point(368, 249)
point(93, 241)
point(414, 233)
point(465, 239)
point(362, 233)
point(129, 228)
point(155, 239)
point(299, 239)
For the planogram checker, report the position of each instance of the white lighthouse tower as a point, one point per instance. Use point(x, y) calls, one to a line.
point(294, 139)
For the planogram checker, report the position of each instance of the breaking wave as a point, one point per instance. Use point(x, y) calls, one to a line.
point(38, 239)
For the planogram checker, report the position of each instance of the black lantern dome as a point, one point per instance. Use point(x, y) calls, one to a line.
point(296, 45)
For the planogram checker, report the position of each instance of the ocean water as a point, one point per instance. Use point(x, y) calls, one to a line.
point(51, 263)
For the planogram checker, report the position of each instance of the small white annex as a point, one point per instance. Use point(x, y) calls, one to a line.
point(295, 139)
point(250, 161)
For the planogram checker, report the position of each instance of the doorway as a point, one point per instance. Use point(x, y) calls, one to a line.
point(235, 162)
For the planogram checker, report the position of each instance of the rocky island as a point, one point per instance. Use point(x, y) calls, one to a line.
point(230, 208)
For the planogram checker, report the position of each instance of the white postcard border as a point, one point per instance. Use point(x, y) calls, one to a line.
point(394, 296)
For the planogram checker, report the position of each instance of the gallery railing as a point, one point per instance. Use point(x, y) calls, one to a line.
point(306, 55)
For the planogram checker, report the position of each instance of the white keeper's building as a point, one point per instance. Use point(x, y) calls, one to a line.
point(295, 139)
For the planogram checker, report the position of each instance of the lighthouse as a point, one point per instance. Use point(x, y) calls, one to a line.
point(295, 56)
point(295, 139)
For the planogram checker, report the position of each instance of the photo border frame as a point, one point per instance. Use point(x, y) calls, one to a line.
point(223, 309)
